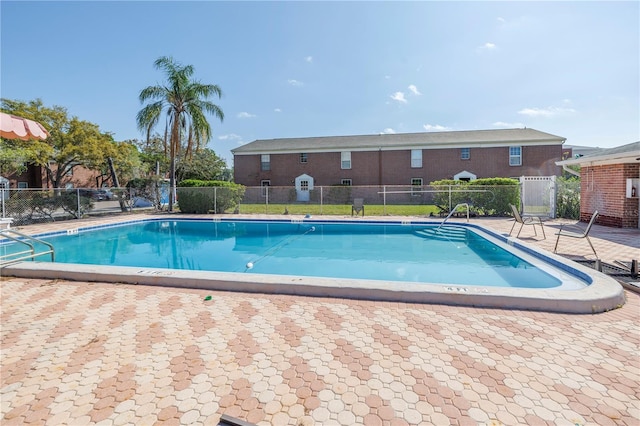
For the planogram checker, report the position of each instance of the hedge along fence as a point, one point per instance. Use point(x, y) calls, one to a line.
point(487, 197)
point(201, 197)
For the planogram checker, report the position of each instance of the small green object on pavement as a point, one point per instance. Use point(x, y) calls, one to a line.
point(207, 298)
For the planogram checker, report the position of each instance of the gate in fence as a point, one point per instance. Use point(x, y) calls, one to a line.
point(538, 195)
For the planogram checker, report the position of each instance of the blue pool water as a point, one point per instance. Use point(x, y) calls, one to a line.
point(371, 251)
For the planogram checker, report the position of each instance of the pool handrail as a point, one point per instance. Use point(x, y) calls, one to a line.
point(27, 240)
point(453, 210)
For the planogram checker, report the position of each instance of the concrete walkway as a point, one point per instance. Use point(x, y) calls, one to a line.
point(92, 353)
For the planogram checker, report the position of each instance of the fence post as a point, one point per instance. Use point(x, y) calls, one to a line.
point(450, 197)
point(215, 200)
point(266, 199)
point(78, 204)
point(321, 199)
point(384, 200)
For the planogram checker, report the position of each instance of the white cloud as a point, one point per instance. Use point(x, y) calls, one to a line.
point(388, 131)
point(295, 82)
point(546, 112)
point(245, 115)
point(435, 128)
point(229, 137)
point(508, 125)
point(501, 20)
point(309, 59)
point(414, 90)
point(277, 110)
point(488, 46)
point(399, 96)
point(387, 77)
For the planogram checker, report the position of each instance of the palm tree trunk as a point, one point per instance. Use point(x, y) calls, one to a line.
point(175, 139)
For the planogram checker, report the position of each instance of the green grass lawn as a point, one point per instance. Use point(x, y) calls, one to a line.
point(338, 210)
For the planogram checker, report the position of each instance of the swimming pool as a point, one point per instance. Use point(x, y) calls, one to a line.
point(381, 260)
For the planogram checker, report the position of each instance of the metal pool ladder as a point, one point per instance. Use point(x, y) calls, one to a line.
point(453, 210)
point(27, 240)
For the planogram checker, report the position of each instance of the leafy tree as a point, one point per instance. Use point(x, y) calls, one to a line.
point(185, 102)
point(203, 165)
point(153, 155)
point(71, 143)
point(16, 154)
point(127, 164)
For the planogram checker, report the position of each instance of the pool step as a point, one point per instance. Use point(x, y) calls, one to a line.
point(443, 234)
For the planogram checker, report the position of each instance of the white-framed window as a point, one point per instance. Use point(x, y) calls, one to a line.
point(416, 186)
point(303, 157)
point(465, 153)
point(265, 162)
point(416, 158)
point(346, 182)
point(23, 185)
point(345, 160)
point(304, 185)
point(515, 156)
point(265, 184)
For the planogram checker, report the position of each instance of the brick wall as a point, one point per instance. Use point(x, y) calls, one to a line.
point(603, 188)
point(394, 167)
point(36, 177)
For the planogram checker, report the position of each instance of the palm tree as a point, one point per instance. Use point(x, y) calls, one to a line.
point(185, 102)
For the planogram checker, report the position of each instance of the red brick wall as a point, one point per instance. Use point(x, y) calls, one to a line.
point(394, 167)
point(36, 177)
point(603, 188)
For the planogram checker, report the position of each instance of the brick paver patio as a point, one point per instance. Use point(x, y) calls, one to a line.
point(93, 353)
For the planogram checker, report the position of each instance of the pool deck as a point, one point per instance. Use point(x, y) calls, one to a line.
point(110, 354)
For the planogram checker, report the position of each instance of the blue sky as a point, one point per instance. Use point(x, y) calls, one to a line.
point(298, 69)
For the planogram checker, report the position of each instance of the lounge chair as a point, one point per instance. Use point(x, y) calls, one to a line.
point(5, 222)
point(357, 206)
point(582, 234)
point(525, 220)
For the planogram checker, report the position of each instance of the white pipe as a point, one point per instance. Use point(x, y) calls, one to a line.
point(569, 170)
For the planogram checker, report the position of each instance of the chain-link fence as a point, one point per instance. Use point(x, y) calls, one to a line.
point(338, 200)
point(28, 206)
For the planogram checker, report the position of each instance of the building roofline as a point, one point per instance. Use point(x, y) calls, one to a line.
point(401, 141)
point(624, 154)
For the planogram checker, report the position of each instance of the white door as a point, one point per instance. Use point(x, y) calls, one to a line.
point(304, 184)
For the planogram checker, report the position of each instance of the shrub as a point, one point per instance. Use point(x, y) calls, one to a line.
point(147, 188)
point(488, 196)
point(69, 203)
point(201, 197)
point(496, 201)
point(450, 187)
point(568, 198)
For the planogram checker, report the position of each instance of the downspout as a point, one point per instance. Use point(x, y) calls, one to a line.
point(569, 170)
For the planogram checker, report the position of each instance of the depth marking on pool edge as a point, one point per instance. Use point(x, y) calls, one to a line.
point(466, 290)
point(148, 272)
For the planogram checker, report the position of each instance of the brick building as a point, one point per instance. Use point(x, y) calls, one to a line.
point(397, 159)
point(610, 183)
point(35, 177)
